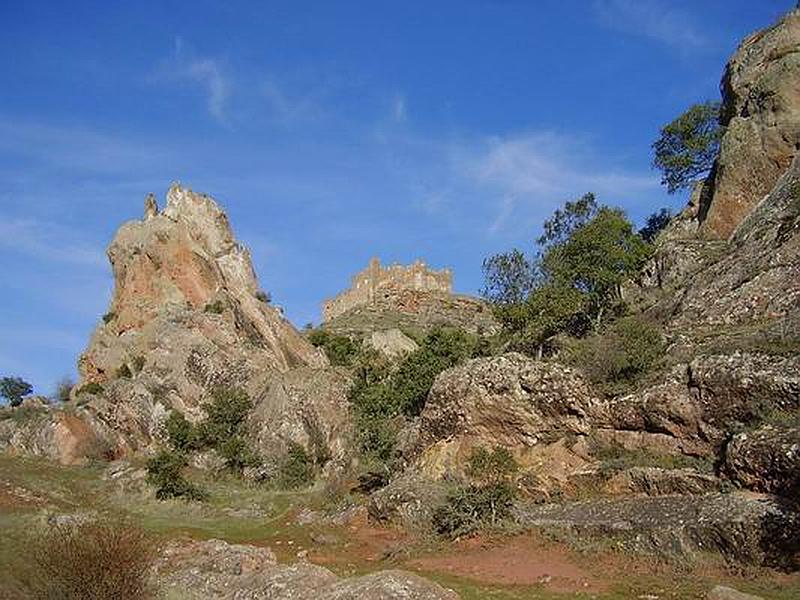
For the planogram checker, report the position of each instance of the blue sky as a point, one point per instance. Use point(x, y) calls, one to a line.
point(329, 131)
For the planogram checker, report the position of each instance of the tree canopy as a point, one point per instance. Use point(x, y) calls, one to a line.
point(14, 389)
point(688, 146)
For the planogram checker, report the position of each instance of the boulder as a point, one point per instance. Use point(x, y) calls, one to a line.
point(409, 501)
point(765, 460)
point(511, 401)
point(721, 592)
point(392, 343)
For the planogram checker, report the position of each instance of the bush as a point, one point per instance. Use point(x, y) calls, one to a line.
point(619, 356)
point(138, 363)
point(238, 454)
point(123, 372)
point(108, 317)
point(340, 349)
point(226, 415)
point(182, 435)
point(14, 389)
point(83, 561)
point(63, 389)
point(92, 387)
point(471, 508)
point(297, 469)
point(485, 503)
point(214, 308)
point(165, 472)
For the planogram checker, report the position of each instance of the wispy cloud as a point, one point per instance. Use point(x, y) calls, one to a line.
point(48, 242)
point(530, 174)
point(207, 73)
point(658, 20)
point(399, 109)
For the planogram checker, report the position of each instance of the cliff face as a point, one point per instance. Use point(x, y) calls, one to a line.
point(761, 116)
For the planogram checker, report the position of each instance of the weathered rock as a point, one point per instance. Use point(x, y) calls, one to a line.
point(691, 411)
point(306, 406)
point(721, 592)
point(766, 460)
point(216, 569)
point(761, 117)
point(655, 481)
point(409, 500)
point(392, 343)
point(744, 529)
point(510, 401)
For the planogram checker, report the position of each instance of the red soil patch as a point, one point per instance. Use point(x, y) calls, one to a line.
point(521, 560)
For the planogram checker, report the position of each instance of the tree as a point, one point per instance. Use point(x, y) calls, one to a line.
point(14, 389)
point(688, 146)
point(597, 259)
point(552, 309)
point(64, 388)
point(508, 278)
point(655, 223)
point(564, 222)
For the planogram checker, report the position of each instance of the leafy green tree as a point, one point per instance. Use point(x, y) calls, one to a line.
point(565, 221)
point(225, 415)
point(508, 278)
point(688, 146)
point(597, 259)
point(14, 389)
point(655, 224)
point(182, 435)
point(552, 309)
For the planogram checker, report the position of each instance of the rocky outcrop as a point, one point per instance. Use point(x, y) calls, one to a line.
point(766, 460)
point(216, 569)
point(187, 315)
point(512, 401)
point(761, 119)
point(306, 406)
point(415, 311)
point(743, 529)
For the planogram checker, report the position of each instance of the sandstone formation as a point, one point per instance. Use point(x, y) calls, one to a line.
point(761, 117)
point(187, 315)
point(216, 569)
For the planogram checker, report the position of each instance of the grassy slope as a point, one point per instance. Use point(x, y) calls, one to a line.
point(265, 519)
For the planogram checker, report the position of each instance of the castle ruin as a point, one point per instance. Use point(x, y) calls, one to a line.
point(376, 281)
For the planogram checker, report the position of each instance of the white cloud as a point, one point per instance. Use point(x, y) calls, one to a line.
point(654, 19)
point(206, 72)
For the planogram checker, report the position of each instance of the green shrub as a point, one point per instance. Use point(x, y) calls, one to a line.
point(340, 349)
point(471, 508)
point(215, 308)
point(14, 389)
point(108, 317)
point(138, 363)
point(225, 415)
point(238, 454)
point(123, 372)
point(165, 472)
point(78, 561)
point(182, 435)
point(482, 504)
point(620, 355)
point(92, 387)
point(297, 469)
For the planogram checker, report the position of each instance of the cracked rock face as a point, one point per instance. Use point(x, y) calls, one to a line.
point(761, 116)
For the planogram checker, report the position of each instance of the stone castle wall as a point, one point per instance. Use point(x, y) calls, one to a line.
point(367, 285)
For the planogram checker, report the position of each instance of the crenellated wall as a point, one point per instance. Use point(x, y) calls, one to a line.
point(375, 279)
